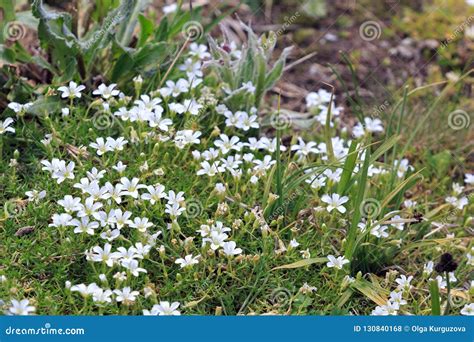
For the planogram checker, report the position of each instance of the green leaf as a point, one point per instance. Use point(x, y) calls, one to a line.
point(352, 234)
point(301, 263)
point(371, 291)
point(146, 29)
point(435, 302)
point(8, 11)
point(122, 66)
point(387, 145)
point(7, 55)
point(130, 9)
point(151, 55)
point(161, 33)
point(348, 169)
point(45, 105)
point(399, 188)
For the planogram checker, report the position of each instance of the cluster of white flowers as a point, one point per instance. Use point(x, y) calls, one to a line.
point(215, 235)
point(113, 204)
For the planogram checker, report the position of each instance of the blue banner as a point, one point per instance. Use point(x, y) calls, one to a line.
point(230, 329)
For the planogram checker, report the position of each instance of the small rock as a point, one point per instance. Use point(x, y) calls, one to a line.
point(24, 231)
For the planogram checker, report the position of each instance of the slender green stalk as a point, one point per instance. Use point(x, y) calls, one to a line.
point(279, 185)
point(435, 304)
point(448, 301)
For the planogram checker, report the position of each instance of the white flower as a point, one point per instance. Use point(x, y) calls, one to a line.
point(403, 167)
point(163, 309)
point(119, 167)
point(132, 266)
point(187, 137)
point(174, 89)
point(61, 220)
point(379, 231)
point(458, 203)
point(371, 126)
point(131, 186)
point(35, 195)
point(305, 254)
point(468, 310)
point(338, 262)
point(101, 146)
point(248, 86)
point(100, 254)
point(64, 171)
point(220, 188)
point(229, 248)
point(390, 308)
point(102, 296)
point(106, 91)
point(294, 243)
point(334, 176)
point(175, 198)
point(210, 170)
point(84, 225)
point(18, 108)
point(72, 91)
point(192, 68)
point(5, 126)
point(84, 290)
point(335, 201)
point(141, 224)
point(244, 121)
point(469, 178)
point(304, 149)
point(398, 225)
point(470, 259)
point(199, 51)
point(215, 239)
point(404, 282)
point(316, 100)
point(155, 193)
point(397, 297)
point(409, 203)
point(428, 268)
point(226, 144)
point(307, 289)
point(192, 107)
point(188, 260)
point(21, 308)
point(126, 295)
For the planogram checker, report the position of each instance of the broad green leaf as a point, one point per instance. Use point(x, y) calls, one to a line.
point(146, 29)
point(7, 55)
point(46, 105)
